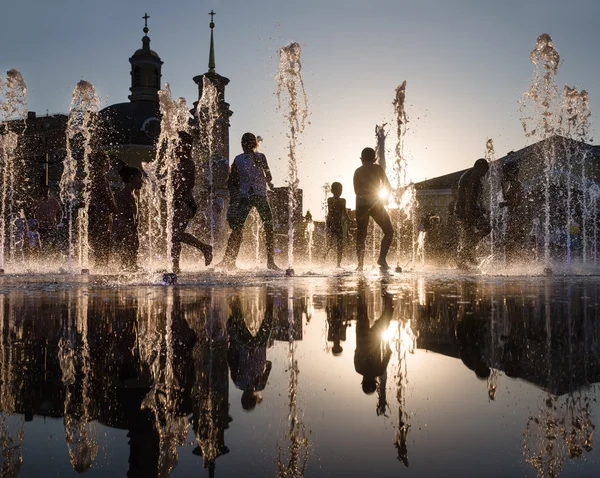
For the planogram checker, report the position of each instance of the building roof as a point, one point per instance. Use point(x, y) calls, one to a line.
point(447, 181)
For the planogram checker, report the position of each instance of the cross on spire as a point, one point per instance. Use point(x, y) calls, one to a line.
point(145, 17)
point(211, 56)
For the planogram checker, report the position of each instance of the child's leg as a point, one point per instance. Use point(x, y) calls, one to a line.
point(340, 247)
point(362, 222)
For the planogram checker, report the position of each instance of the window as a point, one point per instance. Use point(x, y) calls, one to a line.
point(137, 76)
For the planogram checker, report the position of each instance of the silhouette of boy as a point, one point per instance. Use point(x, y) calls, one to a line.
point(369, 181)
point(334, 222)
point(184, 205)
point(126, 220)
point(247, 182)
point(372, 351)
point(247, 355)
point(473, 217)
point(102, 207)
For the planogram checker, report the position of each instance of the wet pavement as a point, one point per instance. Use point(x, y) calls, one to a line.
point(405, 375)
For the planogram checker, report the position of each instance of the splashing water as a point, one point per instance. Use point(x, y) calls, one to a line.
point(381, 135)
point(540, 109)
point(405, 196)
point(290, 82)
point(310, 229)
point(576, 124)
point(74, 188)
point(159, 186)
point(494, 179)
point(80, 430)
point(298, 446)
point(11, 441)
point(594, 194)
point(207, 112)
point(13, 94)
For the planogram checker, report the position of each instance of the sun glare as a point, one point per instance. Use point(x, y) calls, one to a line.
point(383, 193)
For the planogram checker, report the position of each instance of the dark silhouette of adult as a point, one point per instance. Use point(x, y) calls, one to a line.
point(247, 355)
point(184, 205)
point(473, 217)
point(248, 181)
point(369, 180)
point(373, 352)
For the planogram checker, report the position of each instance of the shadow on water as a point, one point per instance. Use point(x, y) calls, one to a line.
point(442, 376)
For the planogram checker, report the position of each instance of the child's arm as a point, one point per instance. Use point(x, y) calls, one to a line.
point(345, 211)
point(109, 198)
point(233, 181)
point(386, 181)
point(265, 167)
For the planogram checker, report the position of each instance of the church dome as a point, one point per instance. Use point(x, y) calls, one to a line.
point(130, 130)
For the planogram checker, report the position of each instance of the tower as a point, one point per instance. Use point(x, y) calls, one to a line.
point(129, 130)
point(145, 70)
point(213, 166)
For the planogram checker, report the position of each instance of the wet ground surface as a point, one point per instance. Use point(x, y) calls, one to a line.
point(263, 375)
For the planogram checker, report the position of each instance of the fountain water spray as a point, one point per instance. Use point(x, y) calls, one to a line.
point(540, 108)
point(207, 112)
point(13, 94)
point(75, 188)
point(298, 448)
point(576, 124)
point(310, 229)
point(494, 180)
point(289, 80)
point(405, 196)
point(594, 194)
point(159, 187)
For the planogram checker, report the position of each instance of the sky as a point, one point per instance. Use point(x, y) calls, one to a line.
point(466, 64)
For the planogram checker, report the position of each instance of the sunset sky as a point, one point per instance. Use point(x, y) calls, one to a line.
point(466, 64)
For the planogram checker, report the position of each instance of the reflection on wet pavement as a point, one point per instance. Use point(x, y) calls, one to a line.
point(342, 376)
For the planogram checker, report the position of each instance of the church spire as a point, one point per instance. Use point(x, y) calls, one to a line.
point(145, 70)
point(211, 56)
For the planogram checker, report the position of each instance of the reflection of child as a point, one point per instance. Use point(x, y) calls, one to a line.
point(126, 220)
point(34, 242)
point(336, 216)
point(247, 354)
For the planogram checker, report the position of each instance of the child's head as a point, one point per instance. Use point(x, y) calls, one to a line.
point(369, 384)
point(250, 399)
point(249, 143)
point(367, 155)
point(481, 167)
point(132, 177)
point(336, 189)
